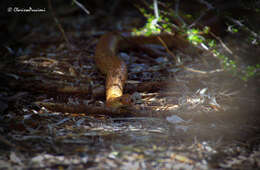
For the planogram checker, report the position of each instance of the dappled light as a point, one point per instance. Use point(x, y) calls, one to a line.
point(130, 85)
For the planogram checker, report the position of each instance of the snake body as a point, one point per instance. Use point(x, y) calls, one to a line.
point(115, 68)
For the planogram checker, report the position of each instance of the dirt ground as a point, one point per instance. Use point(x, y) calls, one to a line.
point(197, 117)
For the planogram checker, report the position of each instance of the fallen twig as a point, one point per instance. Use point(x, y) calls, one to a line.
point(81, 6)
point(58, 23)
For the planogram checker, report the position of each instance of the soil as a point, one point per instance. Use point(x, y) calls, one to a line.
point(52, 99)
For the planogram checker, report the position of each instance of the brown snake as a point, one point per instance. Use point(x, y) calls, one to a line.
point(115, 68)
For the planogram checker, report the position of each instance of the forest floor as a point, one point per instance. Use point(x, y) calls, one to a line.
point(197, 117)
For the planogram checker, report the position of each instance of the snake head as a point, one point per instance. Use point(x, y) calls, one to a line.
point(118, 102)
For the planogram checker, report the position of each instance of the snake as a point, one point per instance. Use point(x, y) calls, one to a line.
point(115, 69)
